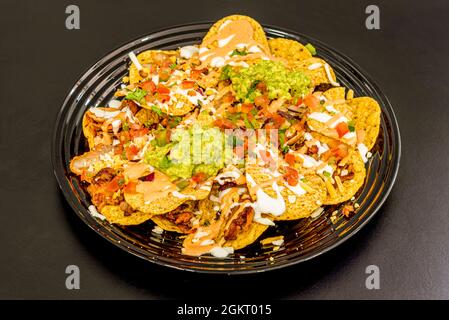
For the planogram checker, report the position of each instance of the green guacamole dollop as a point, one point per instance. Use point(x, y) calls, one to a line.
point(190, 151)
point(280, 82)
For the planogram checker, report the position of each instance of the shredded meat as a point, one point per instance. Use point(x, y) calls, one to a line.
point(349, 176)
point(312, 150)
point(104, 175)
point(239, 224)
point(227, 185)
point(180, 218)
point(286, 115)
point(131, 105)
point(126, 208)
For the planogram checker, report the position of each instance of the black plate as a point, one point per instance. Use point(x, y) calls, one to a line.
point(304, 239)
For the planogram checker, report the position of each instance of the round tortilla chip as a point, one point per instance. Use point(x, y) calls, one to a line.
point(179, 108)
point(350, 186)
point(165, 224)
point(366, 112)
point(318, 75)
point(335, 94)
point(290, 50)
point(88, 130)
point(93, 161)
point(304, 205)
point(166, 203)
point(247, 237)
point(146, 57)
point(259, 34)
point(158, 206)
point(116, 215)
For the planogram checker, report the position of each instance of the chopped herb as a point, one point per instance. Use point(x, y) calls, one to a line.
point(157, 110)
point(248, 124)
point(304, 180)
point(164, 163)
point(121, 182)
point(326, 174)
point(182, 184)
point(237, 52)
point(254, 111)
point(173, 66)
point(311, 49)
point(285, 149)
point(125, 126)
point(226, 72)
point(351, 126)
point(174, 121)
point(322, 101)
point(206, 223)
point(136, 95)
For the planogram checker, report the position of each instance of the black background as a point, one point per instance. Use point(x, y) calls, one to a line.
point(40, 235)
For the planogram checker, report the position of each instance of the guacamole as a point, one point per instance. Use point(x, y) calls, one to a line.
point(190, 151)
point(280, 82)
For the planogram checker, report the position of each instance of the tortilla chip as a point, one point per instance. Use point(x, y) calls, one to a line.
point(180, 107)
point(247, 237)
point(168, 225)
point(303, 205)
point(335, 94)
point(116, 215)
point(147, 57)
point(290, 50)
point(259, 35)
point(167, 203)
point(95, 160)
point(350, 186)
point(88, 130)
point(366, 112)
point(318, 75)
point(165, 224)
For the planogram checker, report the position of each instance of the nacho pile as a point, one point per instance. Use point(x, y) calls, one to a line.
point(221, 140)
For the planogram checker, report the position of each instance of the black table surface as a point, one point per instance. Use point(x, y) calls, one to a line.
point(40, 235)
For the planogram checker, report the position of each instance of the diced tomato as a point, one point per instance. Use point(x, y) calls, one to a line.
point(262, 101)
point(163, 98)
point(114, 185)
point(164, 73)
point(228, 98)
point(278, 120)
point(199, 177)
point(161, 89)
point(195, 74)
point(291, 176)
point(130, 187)
point(224, 124)
point(261, 86)
point(139, 132)
point(246, 107)
point(265, 155)
point(340, 152)
point(149, 98)
point(131, 151)
point(187, 84)
point(312, 102)
point(342, 129)
point(124, 137)
point(299, 102)
point(290, 159)
point(148, 86)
